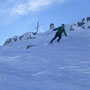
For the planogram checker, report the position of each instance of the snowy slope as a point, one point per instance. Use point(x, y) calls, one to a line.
point(60, 66)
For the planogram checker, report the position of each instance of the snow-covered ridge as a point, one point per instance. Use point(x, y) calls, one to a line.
point(83, 24)
point(26, 36)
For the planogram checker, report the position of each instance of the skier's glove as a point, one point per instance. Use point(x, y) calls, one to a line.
point(54, 29)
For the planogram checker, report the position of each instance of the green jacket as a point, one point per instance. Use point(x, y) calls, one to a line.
point(60, 31)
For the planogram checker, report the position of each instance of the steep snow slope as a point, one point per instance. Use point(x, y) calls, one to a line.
point(59, 66)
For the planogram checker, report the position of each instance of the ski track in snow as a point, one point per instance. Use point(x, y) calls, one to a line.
point(59, 66)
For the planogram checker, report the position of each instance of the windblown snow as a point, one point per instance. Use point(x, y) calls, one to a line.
point(43, 66)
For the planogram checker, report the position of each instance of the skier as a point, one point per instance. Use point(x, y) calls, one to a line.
point(60, 31)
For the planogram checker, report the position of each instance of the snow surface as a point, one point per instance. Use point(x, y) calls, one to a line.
point(58, 66)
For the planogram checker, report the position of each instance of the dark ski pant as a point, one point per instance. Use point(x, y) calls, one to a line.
point(59, 37)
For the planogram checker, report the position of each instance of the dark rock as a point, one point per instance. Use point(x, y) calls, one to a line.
point(83, 27)
point(88, 19)
point(89, 27)
point(83, 19)
point(80, 23)
point(29, 46)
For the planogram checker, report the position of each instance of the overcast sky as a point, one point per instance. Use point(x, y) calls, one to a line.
point(20, 16)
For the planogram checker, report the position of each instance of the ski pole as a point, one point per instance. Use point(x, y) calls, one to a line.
point(49, 33)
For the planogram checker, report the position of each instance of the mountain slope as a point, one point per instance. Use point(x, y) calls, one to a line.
point(81, 25)
point(59, 66)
